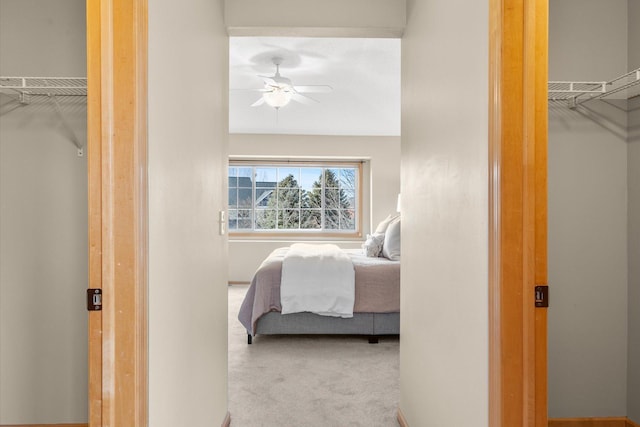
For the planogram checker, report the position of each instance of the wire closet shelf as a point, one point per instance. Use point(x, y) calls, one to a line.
point(44, 86)
point(575, 93)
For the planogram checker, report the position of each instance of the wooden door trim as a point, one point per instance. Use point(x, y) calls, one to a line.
point(517, 218)
point(94, 167)
point(117, 150)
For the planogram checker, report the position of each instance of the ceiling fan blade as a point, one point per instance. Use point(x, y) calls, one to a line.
point(249, 90)
point(303, 99)
point(269, 80)
point(258, 103)
point(313, 89)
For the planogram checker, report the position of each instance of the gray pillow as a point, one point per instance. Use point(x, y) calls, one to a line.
point(391, 246)
point(372, 247)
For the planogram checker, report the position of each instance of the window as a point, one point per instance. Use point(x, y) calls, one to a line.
point(294, 198)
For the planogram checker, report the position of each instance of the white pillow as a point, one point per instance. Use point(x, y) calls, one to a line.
point(391, 246)
point(384, 224)
point(372, 247)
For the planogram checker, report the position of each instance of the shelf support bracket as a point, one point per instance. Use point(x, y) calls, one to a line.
point(65, 124)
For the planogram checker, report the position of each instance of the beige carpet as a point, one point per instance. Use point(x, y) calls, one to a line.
point(307, 381)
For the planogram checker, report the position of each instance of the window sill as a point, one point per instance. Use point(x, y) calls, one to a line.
point(252, 238)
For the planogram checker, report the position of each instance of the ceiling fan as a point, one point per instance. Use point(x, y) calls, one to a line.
point(278, 91)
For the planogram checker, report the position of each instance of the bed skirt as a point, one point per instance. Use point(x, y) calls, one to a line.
point(308, 323)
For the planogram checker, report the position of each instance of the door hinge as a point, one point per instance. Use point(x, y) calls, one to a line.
point(542, 296)
point(94, 299)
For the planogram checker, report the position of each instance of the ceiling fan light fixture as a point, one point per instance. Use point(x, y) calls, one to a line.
point(277, 97)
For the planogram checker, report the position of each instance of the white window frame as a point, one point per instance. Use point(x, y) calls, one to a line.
point(310, 233)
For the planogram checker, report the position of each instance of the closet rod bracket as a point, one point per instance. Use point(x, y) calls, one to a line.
point(65, 123)
point(25, 98)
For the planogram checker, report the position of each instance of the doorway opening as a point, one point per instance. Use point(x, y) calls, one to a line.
point(346, 109)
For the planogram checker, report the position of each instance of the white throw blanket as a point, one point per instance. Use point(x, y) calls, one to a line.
point(318, 278)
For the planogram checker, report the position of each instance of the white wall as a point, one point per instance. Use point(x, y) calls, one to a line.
point(187, 168)
point(381, 176)
point(444, 361)
point(587, 216)
point(633, 384)
point(587, 269)
point(309, 18)
point(43, 220)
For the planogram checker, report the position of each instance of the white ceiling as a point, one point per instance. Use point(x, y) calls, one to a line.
point(364, 75)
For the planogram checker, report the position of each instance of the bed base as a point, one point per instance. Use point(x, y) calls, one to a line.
point(372, 339)
point(372, 325)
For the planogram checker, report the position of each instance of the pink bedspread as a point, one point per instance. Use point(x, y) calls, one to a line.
point(377, 287)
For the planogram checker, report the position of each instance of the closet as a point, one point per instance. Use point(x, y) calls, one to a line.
point(43, 213)
point(594, 209)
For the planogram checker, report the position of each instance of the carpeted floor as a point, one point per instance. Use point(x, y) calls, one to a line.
point(308, 381)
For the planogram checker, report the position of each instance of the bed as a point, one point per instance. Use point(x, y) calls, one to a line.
point(376, 300)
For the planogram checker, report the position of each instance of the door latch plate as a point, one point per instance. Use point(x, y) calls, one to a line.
point(94, 299)
point(542, 296)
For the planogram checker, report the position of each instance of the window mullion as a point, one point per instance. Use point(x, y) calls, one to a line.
point(322, 201)
point(253, 198)
point(277, 206)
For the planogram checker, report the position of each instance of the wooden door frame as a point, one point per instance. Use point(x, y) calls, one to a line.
point(517, 212)
point(117, 169)
point(118, 215)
